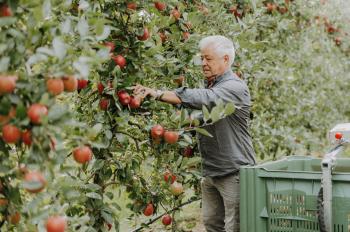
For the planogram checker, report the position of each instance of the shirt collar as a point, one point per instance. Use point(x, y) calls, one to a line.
point(218, 79)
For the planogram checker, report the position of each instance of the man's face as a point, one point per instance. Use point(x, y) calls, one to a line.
point(212, 63)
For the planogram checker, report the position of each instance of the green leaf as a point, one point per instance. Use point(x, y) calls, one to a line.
point(93, 187)
point(59, 48)
point(6, 21)
point(94, 195)
point(229, 108)
point(206, 114)
point(56, 112)
point(108, 217)
point(215, 114)
point(203, 132)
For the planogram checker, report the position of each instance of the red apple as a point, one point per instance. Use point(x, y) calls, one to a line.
point(157, 131)
point(11, 134)
point(110, 45)
point(35, 177)
point(5, 11)
point(166, 220)
point(145, 35)
point(135, 102)
point(27, 137)
point(100, 88)
point(36, 111)
point(15, 218)
point(338, 135)
point(70, 83)
point(186, 35)
point(163, 36)
point(160, 5)
point(171, 137)
point(82, 154)
point(176, 14)
point(131, 6)
point(119, 60)
point(56, 224)
point(124, 97)
point(338, 41)
point(54, 86)
point(176, 188)
point(82, 83)
point(168, 175)
point(271, 7)
point(149, 210)
point(188, 152)
point(104, 103)
point(7, 84)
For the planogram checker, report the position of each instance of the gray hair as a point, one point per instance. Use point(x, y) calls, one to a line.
point(221, 45)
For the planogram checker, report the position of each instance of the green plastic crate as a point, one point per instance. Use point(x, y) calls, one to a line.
point(281, 196)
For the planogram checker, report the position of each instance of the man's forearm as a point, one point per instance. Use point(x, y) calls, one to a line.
point(170, 97)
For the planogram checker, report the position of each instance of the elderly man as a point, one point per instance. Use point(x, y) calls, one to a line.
point(231, 145)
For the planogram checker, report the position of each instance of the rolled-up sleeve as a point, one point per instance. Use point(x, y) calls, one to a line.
point(196, 98)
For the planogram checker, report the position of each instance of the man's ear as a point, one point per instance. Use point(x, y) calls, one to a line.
point(226, 58)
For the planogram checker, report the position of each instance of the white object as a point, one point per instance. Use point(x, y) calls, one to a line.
point(343, 128)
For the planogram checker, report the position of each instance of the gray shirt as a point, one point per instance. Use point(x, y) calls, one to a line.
point(231, 145)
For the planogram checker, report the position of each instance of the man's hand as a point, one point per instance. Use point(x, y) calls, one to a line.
point(166, 96)
point(142, 91)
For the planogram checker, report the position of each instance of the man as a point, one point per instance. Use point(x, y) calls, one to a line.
point(231, 146)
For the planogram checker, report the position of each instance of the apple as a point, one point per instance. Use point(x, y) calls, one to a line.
point(15, 218)
point(70, 83)
point(119, 60)
point(110, 45)
point(160, 5)
point(176, 188)
point(176, 14)
point(56, 224)
point(124, 97)
point(149, 210)
point(82, 83)
point(109, 225)
point(55, 86)
point(338, 41)
point(11, 134)
point(171, 137)
point(271, 7)
point(131, 6)
point(235, 12)
point(157, 131)
point(168, 175)
point(331, 29)
point(36, 111)
point(7, 84)
point(186, 35)
point(145, 35)
point(188, 152)
point(27, 137)
point(135, 102)
point(5, 11)
point(37, 178)
point(162, 37)
point(104, 103)
point(3, 202)
point(100, 88)
point(82, 154)
point(166, 220)
point(338, 135)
